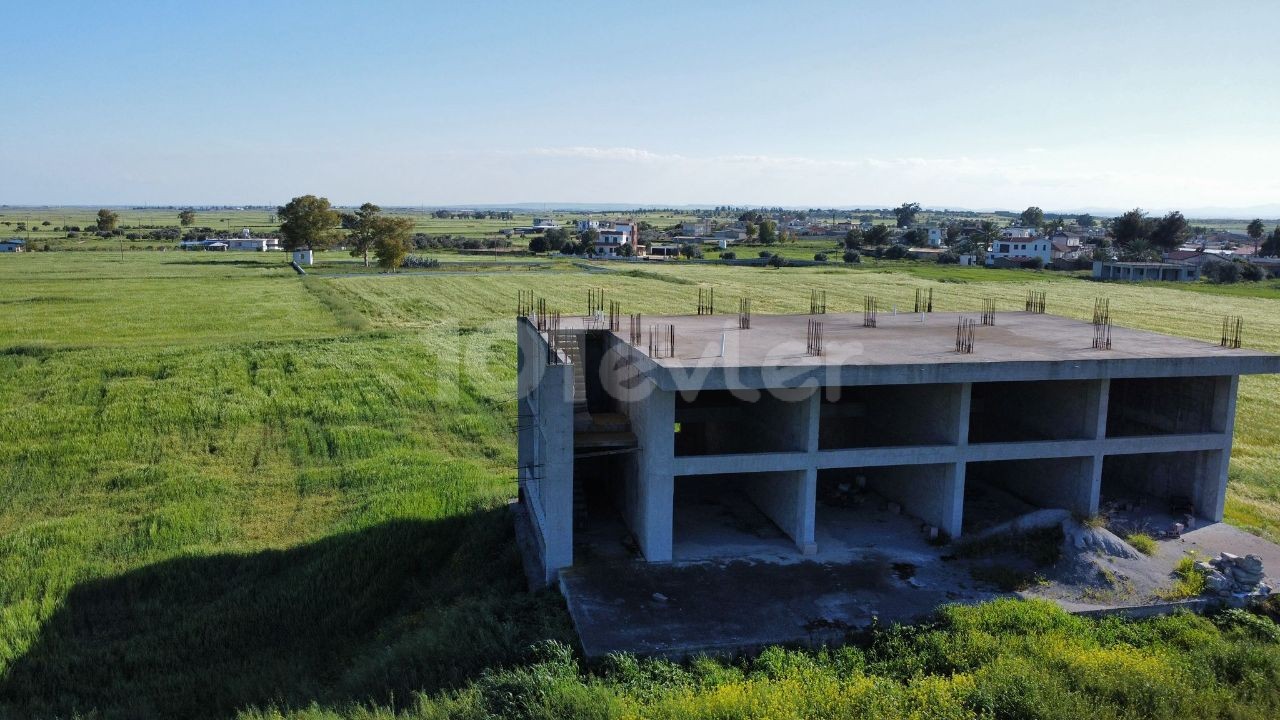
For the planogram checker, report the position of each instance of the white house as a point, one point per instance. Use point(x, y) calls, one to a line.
point(585, 225)
point(303, 256)
point(613, 239)
point(935, 236)
point(1020, 250)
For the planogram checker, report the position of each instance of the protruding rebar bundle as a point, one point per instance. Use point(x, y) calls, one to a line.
point(706, 301)
point(964, 334)
point(540, 315)
point(1232, 329)
point(1036, 301)
point(989, 311)
point(524, 303)
point(595, 301)
point(662, 340)
point(635, 329)
point(817, 302)
point(1102, 334)
point(615, 315)
point(553, 337)
point(744, 313)
point(1101, 311)
point(924, 300)
point(869, 311)
point(813, 338)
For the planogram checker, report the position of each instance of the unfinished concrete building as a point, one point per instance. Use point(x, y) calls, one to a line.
point(650, 442)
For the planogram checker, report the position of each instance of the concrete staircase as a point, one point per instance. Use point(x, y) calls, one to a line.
point(571, 345)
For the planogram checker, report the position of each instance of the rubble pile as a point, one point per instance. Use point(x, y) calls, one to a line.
point(1234, 575)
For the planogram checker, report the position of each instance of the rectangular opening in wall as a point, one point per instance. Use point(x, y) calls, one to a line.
point(739, 515)
point(996, 492)
point(1030, 411)
point(1161, 406)
point(1162, 485)
point(884, 507)
point(888, 415)
point(599, 530)
point(720, 422)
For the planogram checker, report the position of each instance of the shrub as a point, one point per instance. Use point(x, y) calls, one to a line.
point(1189, 580)
point(819, 257)
point(851, 256)
point(948, 258)
point(1222, 272)
point(777, 261)
point(1252, 273)
point(896, 252)
point(1143, 543)
point(766, 254)
point(728, 255)
point(1034, 263)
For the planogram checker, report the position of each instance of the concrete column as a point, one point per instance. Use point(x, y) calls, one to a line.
point(555, 424)
point(1210, 495)
point(1096, 427)
point(650, 484)
point(933, 493)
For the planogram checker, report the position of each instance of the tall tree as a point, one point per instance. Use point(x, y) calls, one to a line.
point(391, 240)
point(877, 235)
point(1131, 226)
point(1169, 232)
point(107, 220)
point(362, 223)
point(187, 217)
point(307, 222)
point(1032, 217)
point(1086, 220)
point(853, 239)
point(1271, 248)
point(1255, 231)
point(906, 214)
point(767, 231)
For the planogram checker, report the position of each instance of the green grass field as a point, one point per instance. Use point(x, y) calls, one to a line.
point(228, 490)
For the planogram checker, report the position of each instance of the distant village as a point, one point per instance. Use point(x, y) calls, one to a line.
point(1060, 244)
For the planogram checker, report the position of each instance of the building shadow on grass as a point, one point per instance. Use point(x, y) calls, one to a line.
point(373, 615)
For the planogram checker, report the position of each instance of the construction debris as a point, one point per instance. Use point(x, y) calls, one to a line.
point(1234, 575)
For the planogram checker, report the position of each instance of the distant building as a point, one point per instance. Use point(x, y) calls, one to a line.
point(1018, 233)
point(585, 225)
point(936, 236)
point(13, 245)
point(254, 244)
point(696, 229)
point(1140, 271)
point(545, 223)
point(614, 237)
point(1017, 250)
point(303, 256)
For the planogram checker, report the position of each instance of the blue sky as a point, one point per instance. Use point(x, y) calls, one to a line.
point(977, 104)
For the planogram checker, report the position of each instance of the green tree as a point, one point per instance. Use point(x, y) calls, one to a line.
point(555, 238)
point(877, 235)
point(1169, 232)
point(307, 222)
point(768, 232)
point(1032, 217)
point(107, 220)
point(1140, 250)
point(1255, 230)
point(1271, 248)
point(1086, 220)
point(187, 217)
point(906, 214)
point(538, 244)
point(750, 229)
point(362, 224)
point(1131, 226)
point(392, 240)
point(853, 239)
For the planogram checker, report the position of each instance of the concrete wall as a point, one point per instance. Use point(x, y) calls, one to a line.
point(545, 446)
point(650, 480)
point(1065, 483)
point(1154, 406)
point(932, 493)
point(788, 499)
